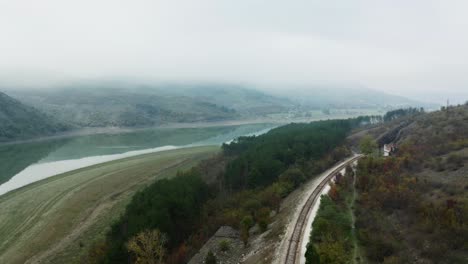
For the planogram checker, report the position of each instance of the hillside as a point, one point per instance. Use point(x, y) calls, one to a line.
point(413, 207)
point(125, 105)
point(19, 121)
point(246, 101)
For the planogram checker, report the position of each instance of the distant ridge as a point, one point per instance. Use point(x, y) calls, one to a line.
point(339, 97)
point(101, 105)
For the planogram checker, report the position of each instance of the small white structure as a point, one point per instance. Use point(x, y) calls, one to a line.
point(388, 149)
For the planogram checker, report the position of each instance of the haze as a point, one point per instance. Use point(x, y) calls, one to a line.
point(411, 48)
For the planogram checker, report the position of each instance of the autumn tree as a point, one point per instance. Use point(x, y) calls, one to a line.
point(148, 247)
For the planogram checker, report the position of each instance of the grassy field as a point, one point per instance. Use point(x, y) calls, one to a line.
point(56, 220)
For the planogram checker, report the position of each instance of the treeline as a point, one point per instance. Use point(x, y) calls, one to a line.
point(260, 172)
point(394, 114)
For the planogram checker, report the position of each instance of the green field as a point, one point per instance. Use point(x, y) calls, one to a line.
point(56, 220)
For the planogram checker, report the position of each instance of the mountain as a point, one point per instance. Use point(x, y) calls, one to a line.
point(117, 104)
point(19, 121)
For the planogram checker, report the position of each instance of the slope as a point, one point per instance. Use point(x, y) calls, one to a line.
point(413, 207)
point(19, 121)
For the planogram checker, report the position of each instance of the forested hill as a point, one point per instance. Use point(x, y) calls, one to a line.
point(117, 104)
point(246, 185)
point(87, 107)
point(411, 207)
point(101, 104)
point(19, 121)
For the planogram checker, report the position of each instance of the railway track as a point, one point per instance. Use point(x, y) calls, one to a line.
point(294, 248)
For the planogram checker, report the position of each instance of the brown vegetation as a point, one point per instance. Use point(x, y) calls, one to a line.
point(413, 207)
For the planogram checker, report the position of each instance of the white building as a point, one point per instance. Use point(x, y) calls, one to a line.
point(388, 149)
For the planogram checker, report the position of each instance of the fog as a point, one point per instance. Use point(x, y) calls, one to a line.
point(413, 48)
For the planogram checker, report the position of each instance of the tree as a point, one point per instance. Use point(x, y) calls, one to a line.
point(246, 223)
point(311, 255)
point(333, 193)
point(210, 258)
point(293, 175)
point(263, 218)
point(367, 145)
point(148, 247)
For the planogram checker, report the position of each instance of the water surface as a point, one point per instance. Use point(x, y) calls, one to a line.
point(25, 163)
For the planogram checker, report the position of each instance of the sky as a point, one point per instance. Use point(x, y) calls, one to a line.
point(415, 48)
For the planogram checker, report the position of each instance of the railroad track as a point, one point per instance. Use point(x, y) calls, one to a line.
point(294, 249)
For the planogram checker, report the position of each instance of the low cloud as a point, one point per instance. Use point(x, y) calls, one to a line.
point(400, 47)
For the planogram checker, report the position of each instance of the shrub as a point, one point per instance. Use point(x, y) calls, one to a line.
point(224, 245)
point(246, 223)
point(263, 218)
point(210, 258)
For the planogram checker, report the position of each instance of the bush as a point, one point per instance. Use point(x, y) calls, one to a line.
point(246, 223)
point(224, 245)
point(210, 258)
point(263, 218)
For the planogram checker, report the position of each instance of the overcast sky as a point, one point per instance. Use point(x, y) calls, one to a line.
point(413, 48)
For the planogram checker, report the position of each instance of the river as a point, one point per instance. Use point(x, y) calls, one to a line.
point(24, 163)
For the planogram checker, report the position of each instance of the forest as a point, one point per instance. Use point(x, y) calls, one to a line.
point(260, 161)
point(185, 211)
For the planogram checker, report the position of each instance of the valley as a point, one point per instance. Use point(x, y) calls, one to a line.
point(233, 132)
